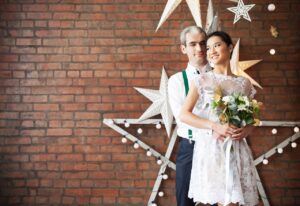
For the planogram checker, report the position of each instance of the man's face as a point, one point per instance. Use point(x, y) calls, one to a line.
point(195, 49)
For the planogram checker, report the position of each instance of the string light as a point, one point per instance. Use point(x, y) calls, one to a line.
point(272, 51)
point(126, 124)
point(153, 204)
point(296, 129)
point(124, 139)
point(265, 161)
point(148, 153)
point(136, 145)
point(159, 162)
point(158, 125)
point(279, 150)
point(274, 131)
point(165, 176)
point(110, 122)
point(161, 194)
point(271, 7)
point(140, 131)
point(293, 144)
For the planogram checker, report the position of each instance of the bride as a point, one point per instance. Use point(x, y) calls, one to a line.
point(217, 178)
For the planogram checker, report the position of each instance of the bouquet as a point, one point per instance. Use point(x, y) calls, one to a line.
point(237, 109)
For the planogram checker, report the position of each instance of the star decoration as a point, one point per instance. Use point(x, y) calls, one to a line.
point(241, 10)
point(194, 6)
point(238, 67)
point(160, 103)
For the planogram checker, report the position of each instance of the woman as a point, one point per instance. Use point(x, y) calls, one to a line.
point(217, 178)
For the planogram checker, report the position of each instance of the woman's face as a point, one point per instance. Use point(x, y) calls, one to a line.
point(218, 52)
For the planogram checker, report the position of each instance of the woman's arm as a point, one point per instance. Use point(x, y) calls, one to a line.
point(188, 117)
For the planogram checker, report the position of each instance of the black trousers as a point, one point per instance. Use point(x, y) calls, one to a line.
point(184, 161)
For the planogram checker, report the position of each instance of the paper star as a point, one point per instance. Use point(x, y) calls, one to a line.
point(241, 10)
point(238, 67)
point(160, 103)
point(171, 5)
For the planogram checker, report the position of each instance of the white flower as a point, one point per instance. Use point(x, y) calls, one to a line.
point(228, 99)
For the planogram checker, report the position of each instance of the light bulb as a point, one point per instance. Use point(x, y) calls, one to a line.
point(110, 122)
point(140, 131)
point(296, 129)
point(149, 153)
point(153, 204)
point(127, 124)
point(136, 145)
point(294, 144)
point(159, 162)
point(265, 161)
point(161, 194)
point(158, 126)
point(124, 140)
point(274, 131)
point(280, 150)
point(271, 7)
point(272, 51)
point(165, 176)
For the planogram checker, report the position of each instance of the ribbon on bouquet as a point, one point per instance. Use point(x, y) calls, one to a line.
point(228, 145)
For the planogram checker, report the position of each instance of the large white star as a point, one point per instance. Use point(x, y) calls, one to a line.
point(238, 67)
point(160, 103)
point(171, 5)
point(241, 10)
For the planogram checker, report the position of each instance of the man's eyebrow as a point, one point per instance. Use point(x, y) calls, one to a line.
point(193, 42)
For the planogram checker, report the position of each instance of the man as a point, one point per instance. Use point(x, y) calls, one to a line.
point(193, 44)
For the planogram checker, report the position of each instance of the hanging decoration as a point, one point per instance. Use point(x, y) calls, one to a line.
point(241, 10)
point(194, 6)
point(274, 31)
point(160, 103)
point(238, 67)
point(164, 160)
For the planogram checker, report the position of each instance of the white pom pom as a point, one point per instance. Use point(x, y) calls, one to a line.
point(294, 144)
point(158, 126)
point(149, 153)
point(136, 145)
point(124, 140)
point(265, 161)
point(271, 7)
point(159, 162)
point(153, 204)
point(161, 194)
point(127, 124)
point(165, 176)
point(280, 150)
point(140, 131)
point(296, 129)
point(274, 131)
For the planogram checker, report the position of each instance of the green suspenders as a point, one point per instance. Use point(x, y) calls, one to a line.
point(186, 86)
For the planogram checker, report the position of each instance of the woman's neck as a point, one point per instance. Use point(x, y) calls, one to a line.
point(222, 69)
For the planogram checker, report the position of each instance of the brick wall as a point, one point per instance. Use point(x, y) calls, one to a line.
point(66, 65)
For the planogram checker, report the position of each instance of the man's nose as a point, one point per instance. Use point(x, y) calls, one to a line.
point(199, 47)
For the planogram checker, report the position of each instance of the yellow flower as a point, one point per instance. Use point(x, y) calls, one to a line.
point(217, 97)
point(218, 94)
point(256, 122)
point(222, 118)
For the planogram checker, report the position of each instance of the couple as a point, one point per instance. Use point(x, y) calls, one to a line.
point(201, 176)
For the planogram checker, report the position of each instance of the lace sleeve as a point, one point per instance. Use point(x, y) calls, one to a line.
point(198, 81)
point(249, 89)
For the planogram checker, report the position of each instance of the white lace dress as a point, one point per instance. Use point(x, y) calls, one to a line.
point(209, 183)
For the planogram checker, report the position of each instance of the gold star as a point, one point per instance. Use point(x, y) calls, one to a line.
point(238, 67)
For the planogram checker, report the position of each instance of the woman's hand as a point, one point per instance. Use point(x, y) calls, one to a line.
point(223, 129)
point(241, 133)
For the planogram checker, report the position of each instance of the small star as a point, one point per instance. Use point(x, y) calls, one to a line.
point(241, 11)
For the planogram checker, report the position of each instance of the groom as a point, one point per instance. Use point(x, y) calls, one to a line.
point(193, 45)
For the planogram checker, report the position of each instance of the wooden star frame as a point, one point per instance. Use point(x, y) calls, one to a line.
point(166, 162)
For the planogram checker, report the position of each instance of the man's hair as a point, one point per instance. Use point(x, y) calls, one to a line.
point(190, 29)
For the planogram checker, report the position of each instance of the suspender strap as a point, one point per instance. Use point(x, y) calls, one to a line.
point(186, 86)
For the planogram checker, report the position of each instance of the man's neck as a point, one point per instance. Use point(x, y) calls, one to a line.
point(200, 67)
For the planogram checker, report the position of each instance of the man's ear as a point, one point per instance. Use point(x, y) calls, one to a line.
point(183, 49)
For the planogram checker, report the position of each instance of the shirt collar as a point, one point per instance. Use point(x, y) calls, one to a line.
point(191, 69)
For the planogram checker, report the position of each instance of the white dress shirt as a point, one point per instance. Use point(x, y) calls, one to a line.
point(176, 93)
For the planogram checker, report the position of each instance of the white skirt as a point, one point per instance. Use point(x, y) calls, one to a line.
point(208, 183)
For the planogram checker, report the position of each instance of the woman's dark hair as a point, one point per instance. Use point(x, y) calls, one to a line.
point(223, 35)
